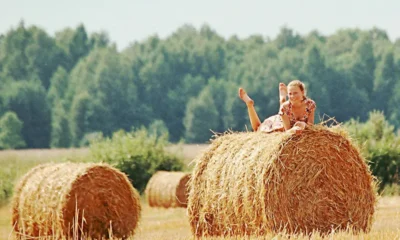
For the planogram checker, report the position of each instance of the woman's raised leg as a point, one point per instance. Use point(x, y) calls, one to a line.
point(254, 119)
point(282, 93)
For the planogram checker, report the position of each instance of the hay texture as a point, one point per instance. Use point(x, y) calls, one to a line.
point(167, 189)
point(71, 200)
point(254, 183)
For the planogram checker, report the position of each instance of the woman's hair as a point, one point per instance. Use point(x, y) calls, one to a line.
point(298, 83)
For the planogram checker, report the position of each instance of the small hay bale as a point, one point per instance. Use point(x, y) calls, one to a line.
point(75, 200)
point(167, 189)
point(254, 183)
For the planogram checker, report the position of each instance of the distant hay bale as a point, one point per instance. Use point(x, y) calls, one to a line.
point(167, 189)
point(75, 200)
point(255, 183)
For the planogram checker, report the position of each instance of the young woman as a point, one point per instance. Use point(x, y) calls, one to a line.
point(294, 114)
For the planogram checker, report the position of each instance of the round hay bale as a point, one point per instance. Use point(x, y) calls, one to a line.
point(75, 200)
point(255, 183)
point(167, 189)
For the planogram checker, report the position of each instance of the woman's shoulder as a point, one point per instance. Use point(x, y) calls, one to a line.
point(311, 103)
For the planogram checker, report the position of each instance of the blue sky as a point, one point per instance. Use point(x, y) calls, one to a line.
point(134, 20)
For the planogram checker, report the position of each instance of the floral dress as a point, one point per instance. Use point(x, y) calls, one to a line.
point(274, 123)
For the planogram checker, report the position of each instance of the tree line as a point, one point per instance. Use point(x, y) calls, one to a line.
point(60, 91)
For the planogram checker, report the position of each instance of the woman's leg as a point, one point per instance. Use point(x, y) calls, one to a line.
point(254, 119)
point(282, 93)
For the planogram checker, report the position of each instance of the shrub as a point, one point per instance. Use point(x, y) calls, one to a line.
point(6, 185)
point(380, 146)
point(138, 153)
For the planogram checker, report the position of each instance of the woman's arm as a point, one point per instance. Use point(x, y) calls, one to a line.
point(311, 117)
point(285, 121)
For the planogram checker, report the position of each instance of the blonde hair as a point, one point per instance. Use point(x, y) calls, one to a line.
point(300, 84)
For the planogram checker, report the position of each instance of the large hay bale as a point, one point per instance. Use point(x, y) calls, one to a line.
point(255, 183)
point(167, 189)
point(75, 200)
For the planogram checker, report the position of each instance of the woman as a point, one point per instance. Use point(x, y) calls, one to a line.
point(294, 115)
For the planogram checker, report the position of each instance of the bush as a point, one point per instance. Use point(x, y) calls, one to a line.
point(138, 154)
point(385, 164)
point(380, 146)
point(6, 185)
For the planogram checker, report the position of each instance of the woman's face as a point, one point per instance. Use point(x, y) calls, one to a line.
point(295, 94)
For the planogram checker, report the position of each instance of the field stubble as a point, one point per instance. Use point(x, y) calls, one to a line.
point(158, 223)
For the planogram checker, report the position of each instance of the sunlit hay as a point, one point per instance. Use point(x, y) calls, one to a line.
point(253, 183)
point(75, 200)
point(167, 189)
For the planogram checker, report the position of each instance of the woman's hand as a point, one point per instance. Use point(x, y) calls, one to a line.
point(298, 127)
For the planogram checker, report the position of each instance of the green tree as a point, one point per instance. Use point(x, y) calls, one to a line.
point(109, 81)
point(341, 42)
point(316, 77)
point(10, 131)
point(177, 99)
point(60, 132)
point(43, 54)
point(385, 80)
point(201, 117)
point(75, 44)
point(99, 40)
point(30, 53)
point(287, 39)
point(363, 65)
point(12, 52)
point(29, 101)
point(78, 121)
point(393, 108)
point(58, 86)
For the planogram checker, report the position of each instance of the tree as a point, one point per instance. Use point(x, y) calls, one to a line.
point(341, 42)
point(10, 131)
point(12, 52)
point(393, 107)
point(58, 86)
point(363, 64)
point(79, 45)
point(385, 80)
point(28, 100)
point(316, 78)
point(78, 117)
point(44, 56)
point(109, 81)
point(60, 132)
point(177, 99)
point(30, 53)
point(99, 40)
point(75, 44)
point(201, 117)
point(287, 39)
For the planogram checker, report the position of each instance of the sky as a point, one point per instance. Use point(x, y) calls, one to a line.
point(127, 21)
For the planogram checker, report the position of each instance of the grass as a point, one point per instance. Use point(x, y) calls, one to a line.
point(173, 223)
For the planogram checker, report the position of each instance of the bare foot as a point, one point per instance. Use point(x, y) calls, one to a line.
point(282, 92)
point(243, 95)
